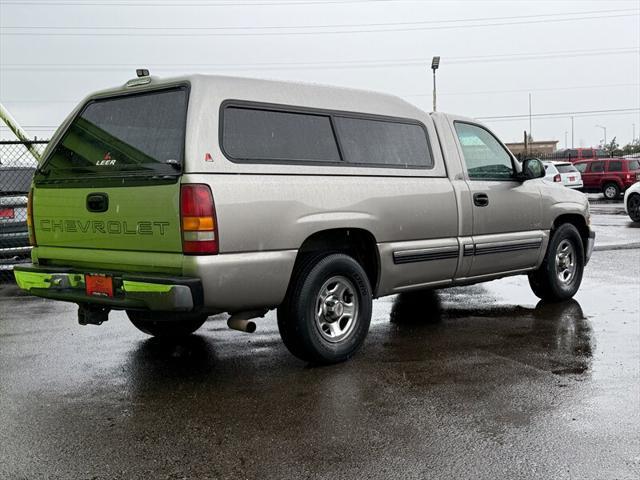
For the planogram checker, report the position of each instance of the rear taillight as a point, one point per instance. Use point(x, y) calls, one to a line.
point(32, 232)
point(557, 178)
point(198, 220)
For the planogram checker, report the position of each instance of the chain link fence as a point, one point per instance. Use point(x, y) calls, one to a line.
point(17, 165)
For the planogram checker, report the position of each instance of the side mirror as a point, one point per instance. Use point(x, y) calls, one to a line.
point(532, 168)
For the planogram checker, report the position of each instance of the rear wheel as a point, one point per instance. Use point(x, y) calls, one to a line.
point(633, 207)
point(560, 274)
point(326, 314)
point(611, 191)
point(166, 324)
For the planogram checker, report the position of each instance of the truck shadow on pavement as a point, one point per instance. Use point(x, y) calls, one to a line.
point(555, 337)
point(426, 328)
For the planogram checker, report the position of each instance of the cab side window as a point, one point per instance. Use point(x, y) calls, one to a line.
point(485, 157)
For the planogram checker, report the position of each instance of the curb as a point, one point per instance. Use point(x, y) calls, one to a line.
point(616, 246)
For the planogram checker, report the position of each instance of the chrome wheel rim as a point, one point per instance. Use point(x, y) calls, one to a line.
point(565, 261)
point(336, 309)
point(610, 192)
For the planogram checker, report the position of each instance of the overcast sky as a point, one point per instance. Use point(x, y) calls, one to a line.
point(572, 56)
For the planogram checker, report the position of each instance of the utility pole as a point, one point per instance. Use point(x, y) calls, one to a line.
point(530, 128)
point(633, 139)
point(565, 138)
point(605, 133)
point(572, 132)
point(435, 63)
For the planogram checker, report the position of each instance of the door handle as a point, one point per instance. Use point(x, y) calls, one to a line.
point(480, 199)
point(97, 202)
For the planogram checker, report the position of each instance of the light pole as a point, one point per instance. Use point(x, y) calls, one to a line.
point(605, 133)
point(435, 63)
point(565, 138)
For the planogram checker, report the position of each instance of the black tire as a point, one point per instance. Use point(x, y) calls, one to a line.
point(166, 324)
point(633, 207)
point(611, 191)
point(546, 282)
point(306, 317)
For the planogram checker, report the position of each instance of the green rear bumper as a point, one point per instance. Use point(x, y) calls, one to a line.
point(131, 291)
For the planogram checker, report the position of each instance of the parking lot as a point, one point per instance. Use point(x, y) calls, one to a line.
point(474, 382)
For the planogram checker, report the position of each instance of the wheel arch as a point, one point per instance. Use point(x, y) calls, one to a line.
point(356, 242)
point(578, 221)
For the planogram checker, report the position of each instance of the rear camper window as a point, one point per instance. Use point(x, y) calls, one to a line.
point(251, 134)
point(382, 142)
point(140, 134)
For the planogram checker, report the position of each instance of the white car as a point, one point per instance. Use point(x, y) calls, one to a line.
point(632, 202)
point(564, 173)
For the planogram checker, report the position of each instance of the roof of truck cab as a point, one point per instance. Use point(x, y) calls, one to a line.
point(219, 88)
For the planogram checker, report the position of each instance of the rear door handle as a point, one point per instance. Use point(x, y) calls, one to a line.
point(480, 199)
point(97, 202)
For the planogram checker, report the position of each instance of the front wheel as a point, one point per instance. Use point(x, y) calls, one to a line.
point(611, 191)
point(633, 207)
point(165, 324)
point(327, 311)
point(560, 274)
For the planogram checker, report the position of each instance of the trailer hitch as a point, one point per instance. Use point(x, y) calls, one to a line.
point(92, 314)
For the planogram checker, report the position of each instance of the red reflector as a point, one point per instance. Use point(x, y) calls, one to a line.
point(6, 213)
point(205, 247)
point(201, 236)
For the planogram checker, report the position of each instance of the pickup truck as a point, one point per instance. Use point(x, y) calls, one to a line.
point(181, 198)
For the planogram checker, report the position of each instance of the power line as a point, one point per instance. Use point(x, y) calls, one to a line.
point(206, 31)
point(485, 92)
point(173, 4)
point(561, 114)
point(350, 64)
point(525, 90)
point(293, 27)
point(202, 4)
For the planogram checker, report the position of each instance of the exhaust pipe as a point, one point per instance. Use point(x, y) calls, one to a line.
point(241, 325)
point(242, 320)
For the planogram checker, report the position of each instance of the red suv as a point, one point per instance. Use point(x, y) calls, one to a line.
point(611, 176)
point(578, 154)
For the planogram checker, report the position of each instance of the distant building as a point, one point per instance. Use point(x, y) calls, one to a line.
point(543, 147)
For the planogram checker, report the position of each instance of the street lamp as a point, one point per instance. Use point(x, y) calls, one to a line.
point(605, 133)
point(435, 63)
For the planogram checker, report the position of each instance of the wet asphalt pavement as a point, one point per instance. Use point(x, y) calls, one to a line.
point(475, 382)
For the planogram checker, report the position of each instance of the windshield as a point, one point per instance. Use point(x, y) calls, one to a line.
point(139, 134)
